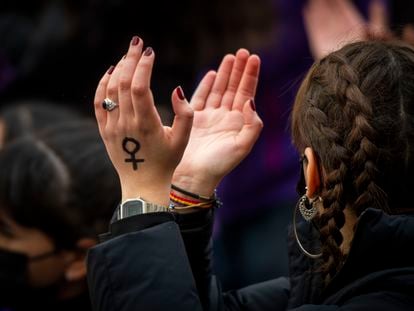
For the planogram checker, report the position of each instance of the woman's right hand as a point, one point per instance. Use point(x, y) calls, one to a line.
point(144, 152)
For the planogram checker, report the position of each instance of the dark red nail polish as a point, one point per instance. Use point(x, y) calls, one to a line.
point(148, 51)
point(135, 40)
point(253, 105)
point(180, 93)
point(110, 70)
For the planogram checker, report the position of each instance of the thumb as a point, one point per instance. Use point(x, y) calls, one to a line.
point(252, 125)
point(183, 120)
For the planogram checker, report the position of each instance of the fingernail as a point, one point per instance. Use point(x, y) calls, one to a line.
point(110, 70)
point(135, 40)
point(180, 93)
point(148, 51)
point(252, 104)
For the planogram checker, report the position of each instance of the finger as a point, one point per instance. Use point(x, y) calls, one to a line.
point(220, 84)
point(200, 95)
point(348, 10)
point(408, 34)
point(142, 100)
point(112, 94)
point(252, 126)
point(378, 18)
point(312, 20)
point(318, 16)
point(183, 119)
point(125, 78)
point(100, 94)
point(248, 84)
point(240, 62)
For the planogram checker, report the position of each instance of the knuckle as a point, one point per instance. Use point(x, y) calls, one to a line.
point(130, 125)
point(139, 89)
point(144, 130)
point(124, 84)
point(121, 128)
point(245, 91)
point(188, 114)
point(112, 90)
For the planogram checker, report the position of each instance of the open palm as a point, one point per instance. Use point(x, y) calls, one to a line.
point(330, 24)
point(225, 125)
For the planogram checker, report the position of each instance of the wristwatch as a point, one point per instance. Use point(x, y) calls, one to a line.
point(138, 206)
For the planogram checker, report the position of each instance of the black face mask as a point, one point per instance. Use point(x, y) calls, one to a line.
point(13, 276)
point(15, 290)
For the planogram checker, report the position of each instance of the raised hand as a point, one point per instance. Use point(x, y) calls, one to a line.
point(330, 24)
point(144, 152)
point(225, 125)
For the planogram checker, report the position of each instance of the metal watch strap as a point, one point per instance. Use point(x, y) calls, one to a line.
point(146, 207)
point(154, 208)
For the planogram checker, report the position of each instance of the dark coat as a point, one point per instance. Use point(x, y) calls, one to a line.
point(155, 262)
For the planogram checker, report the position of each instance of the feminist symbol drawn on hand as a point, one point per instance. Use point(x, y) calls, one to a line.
point(135, 147)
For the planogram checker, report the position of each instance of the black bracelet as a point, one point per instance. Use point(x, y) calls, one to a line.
point(193, 195)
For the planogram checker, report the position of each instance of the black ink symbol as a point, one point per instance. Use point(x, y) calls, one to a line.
point(135, 147)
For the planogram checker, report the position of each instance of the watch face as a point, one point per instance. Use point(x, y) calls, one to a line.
point(131, 208)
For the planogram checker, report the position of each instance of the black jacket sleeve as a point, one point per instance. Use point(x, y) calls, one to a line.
point(142, 270)
point(148, 262)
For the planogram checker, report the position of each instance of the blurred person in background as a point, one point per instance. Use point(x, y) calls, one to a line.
point(26, 117)
point(57, 192)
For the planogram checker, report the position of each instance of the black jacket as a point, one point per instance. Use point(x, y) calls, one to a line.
point(159, 262)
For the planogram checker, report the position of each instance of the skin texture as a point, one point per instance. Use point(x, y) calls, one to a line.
point(225, 122)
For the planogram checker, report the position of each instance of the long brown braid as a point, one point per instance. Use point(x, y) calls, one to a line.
point(355, 110)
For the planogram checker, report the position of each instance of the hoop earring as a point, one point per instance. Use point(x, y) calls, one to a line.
point(307, 208)
point(308, 211)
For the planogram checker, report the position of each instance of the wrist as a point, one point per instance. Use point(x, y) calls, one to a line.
point(155, 192)
point(194, 184)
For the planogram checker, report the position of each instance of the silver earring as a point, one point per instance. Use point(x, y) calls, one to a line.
point(308, 211)
point(307, 208)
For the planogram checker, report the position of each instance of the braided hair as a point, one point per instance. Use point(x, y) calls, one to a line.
point(355, 109)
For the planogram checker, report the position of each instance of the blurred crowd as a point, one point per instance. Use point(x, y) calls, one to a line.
point(58, 189)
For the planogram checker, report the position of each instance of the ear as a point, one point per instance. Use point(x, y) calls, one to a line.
point(311, 170)
point(76, 269)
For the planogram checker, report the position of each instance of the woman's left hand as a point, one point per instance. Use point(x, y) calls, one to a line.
point(144, 152)
point(226, 124)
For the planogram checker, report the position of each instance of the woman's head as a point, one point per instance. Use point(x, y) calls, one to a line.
point(25, 117)
point(355, 111)
point(58, 190)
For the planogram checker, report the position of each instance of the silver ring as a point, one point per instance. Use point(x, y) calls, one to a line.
point(109, 104)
